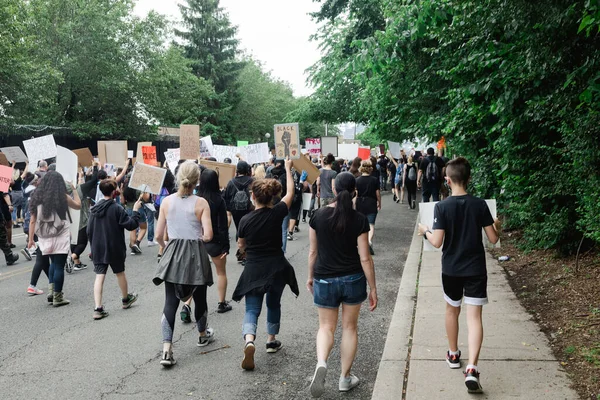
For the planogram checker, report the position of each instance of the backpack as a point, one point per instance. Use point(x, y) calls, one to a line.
point(412, 173)
point(51, 227)
point(240, 198)
point(159, 199)
point(432, 173)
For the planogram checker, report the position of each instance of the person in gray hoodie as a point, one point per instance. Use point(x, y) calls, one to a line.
point(105, 231)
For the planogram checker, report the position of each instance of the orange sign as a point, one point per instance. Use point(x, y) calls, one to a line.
point(149, 155)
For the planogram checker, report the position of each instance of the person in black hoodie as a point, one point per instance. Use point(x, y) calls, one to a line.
point(105, 231)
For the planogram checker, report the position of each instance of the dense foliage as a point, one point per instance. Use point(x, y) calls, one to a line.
point(512, 85)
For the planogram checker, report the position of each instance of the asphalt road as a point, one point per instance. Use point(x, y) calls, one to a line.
point(62, 353)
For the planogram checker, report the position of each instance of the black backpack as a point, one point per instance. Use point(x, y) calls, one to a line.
point(432, 173)
point(241, 200)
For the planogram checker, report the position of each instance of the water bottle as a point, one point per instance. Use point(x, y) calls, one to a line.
point(503, 258)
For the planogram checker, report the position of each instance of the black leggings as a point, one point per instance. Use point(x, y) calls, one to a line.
point(237, 217)
point(42, 263)
point(170, 310)
point(411, 188)
point(82, 242)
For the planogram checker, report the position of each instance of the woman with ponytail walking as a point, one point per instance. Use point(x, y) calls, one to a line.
point(339, 268)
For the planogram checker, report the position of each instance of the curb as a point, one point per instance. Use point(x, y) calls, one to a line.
point(389, 383)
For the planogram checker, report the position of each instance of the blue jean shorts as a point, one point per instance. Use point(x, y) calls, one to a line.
point(372, 218)
point(331, 292)
point(142, 213)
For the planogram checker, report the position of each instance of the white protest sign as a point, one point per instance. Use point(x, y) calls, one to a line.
point(172, 158)
point(14, 153)
point(206, 147)
point(313, 146)
point(129, 153)
point(329, 144)
point(147, 178)
point(394, 148)
point(223, 152)
point(426, 218)
point(74, 228)
point(348, 151)
point(256, 153)
point(66, 164)
point(110, 170)
point(40, 148)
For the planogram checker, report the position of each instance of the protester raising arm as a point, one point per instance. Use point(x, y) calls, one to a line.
point(289, 194)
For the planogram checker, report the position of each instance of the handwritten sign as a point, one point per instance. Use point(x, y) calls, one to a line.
point(41, 148)
point(66, 164)
point(256, 153)
point(6, 174)
point(138, 154)
point(226, 172)
point(206, 147)
point(313, 146)
point(14, 154)
point(287, 141)
point(84, 157)
point(223, 152)
point(329, 144)
point(147, 178)
point(189, 142)
point(149, 154)
point(172, 158)
point(304, 164)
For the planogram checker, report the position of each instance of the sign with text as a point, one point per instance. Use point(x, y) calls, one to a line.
point(329, 144)
point(189, 142)
point(287, 141)
point(256, 153)
point(223, 152)
point(394, 149)
point(147, 178)
point(304, 164)
point(6, 174)
point(206, 147)
point(40, 148)
point(149, 154)
point(84, 157)
point(138, 153)
point(14, 153)
point(226, 172)
point(313, 146)
point(172, 159)
point(67, 164)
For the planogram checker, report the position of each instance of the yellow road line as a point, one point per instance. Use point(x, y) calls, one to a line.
point(14, 273)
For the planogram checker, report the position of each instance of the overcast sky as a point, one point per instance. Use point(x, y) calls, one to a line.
point(276, 32)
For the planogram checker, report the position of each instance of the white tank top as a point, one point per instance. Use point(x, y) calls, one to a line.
point(182, 222)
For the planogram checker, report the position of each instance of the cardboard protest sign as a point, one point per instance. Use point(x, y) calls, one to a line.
point(348, 151)
point(329, 144)
point(287, 141)
point(40, 148)
point(172, 159)
point(149, 154)
point(394, 149)
point(138, 153)
point(226, 172)
point(256, 153)
point(426, 217)
point(304, 164)
point(364, 153)
point(206, 147)
point(147, 178)
point(313, 146)
point(67, 164)
point(4, 160)
point(223, 152)
point(84, 157)
point(14, 153)
point(189, 142)
point(116, 152)
point(6, 174)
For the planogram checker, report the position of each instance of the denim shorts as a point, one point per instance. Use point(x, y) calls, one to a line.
point(331, 292)
point(142, 212)
point(372, 218)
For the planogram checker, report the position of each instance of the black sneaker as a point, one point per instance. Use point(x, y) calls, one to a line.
point(12, 246)
point(296, 229)
point(131, 298)
point(135, 249)
point(26, 254)
point(274, 346)
point(185, 314)
point(100, 313)
point(224, 307)
point(395, 198)
point(453, 360)
point(79, 267)
point(303, 220)
point(290, 236)
point(12, 259)
point(205, 340)
point(371, 250)
point(167, 359)
point(16, 226)
point(472, 381)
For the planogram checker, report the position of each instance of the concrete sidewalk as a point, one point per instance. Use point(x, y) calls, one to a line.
point(515, 362)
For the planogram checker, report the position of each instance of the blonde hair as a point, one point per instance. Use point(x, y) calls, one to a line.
point(366, 167)
point(410, 159)
point(259, 172)
point(188, 176)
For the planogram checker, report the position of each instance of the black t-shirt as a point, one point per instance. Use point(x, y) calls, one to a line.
point(383, 164)
point(462, 219)
point(262, 230)
point(392, 170)
point(337, 253)
point(367, 187)
point(425, 162)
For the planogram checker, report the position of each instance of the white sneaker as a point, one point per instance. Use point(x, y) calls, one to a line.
point(317, 385)
point(349, 383)
point(152, 244)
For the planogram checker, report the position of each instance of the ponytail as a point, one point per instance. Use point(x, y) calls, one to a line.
point(345, 186)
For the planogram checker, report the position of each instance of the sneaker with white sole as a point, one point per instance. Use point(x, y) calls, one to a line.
point(26, 254)
point(167, 359)
point(349, 383)
point(208, 338)
point(131, 298)
point(472, 381)
point(79, 267)
point(152, 244)
point(274, 346)
point(34, 291)
point(248, 361)
point(453, 360)
point(317, 385)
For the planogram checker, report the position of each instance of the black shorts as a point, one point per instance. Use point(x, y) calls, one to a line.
point(102, 269)
point(214, 249)
point(295, 210)
point(473, 288)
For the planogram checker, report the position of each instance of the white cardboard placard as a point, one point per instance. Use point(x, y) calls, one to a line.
point(14, 153)
point(223, 152)
point(172, 158)
point(394, 148)
point(256, 153)
point(348, 151)
point(329, 144)
point(66, 164)
point(40, 148)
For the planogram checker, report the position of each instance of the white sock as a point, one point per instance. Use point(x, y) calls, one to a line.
point(454, 353)
point(322, 363)
point(471, 366)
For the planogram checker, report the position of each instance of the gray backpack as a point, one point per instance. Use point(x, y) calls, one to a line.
point(240, 200)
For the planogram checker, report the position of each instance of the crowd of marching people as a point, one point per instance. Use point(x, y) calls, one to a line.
point(189, 221)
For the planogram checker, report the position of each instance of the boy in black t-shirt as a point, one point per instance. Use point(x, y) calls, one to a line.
point(457, 224)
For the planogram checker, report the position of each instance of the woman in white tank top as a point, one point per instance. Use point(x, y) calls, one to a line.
point(184, 266)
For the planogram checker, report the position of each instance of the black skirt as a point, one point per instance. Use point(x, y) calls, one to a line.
point(259, 275)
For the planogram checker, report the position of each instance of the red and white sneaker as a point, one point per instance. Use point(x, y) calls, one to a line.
point(453, 360)
point(33, 291)
point(472, 381)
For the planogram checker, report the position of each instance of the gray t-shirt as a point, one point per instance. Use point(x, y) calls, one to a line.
point(327, 176)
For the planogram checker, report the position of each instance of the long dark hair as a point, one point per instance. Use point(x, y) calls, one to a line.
point(209, 186)
point(51, 194)
point(345, 187)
